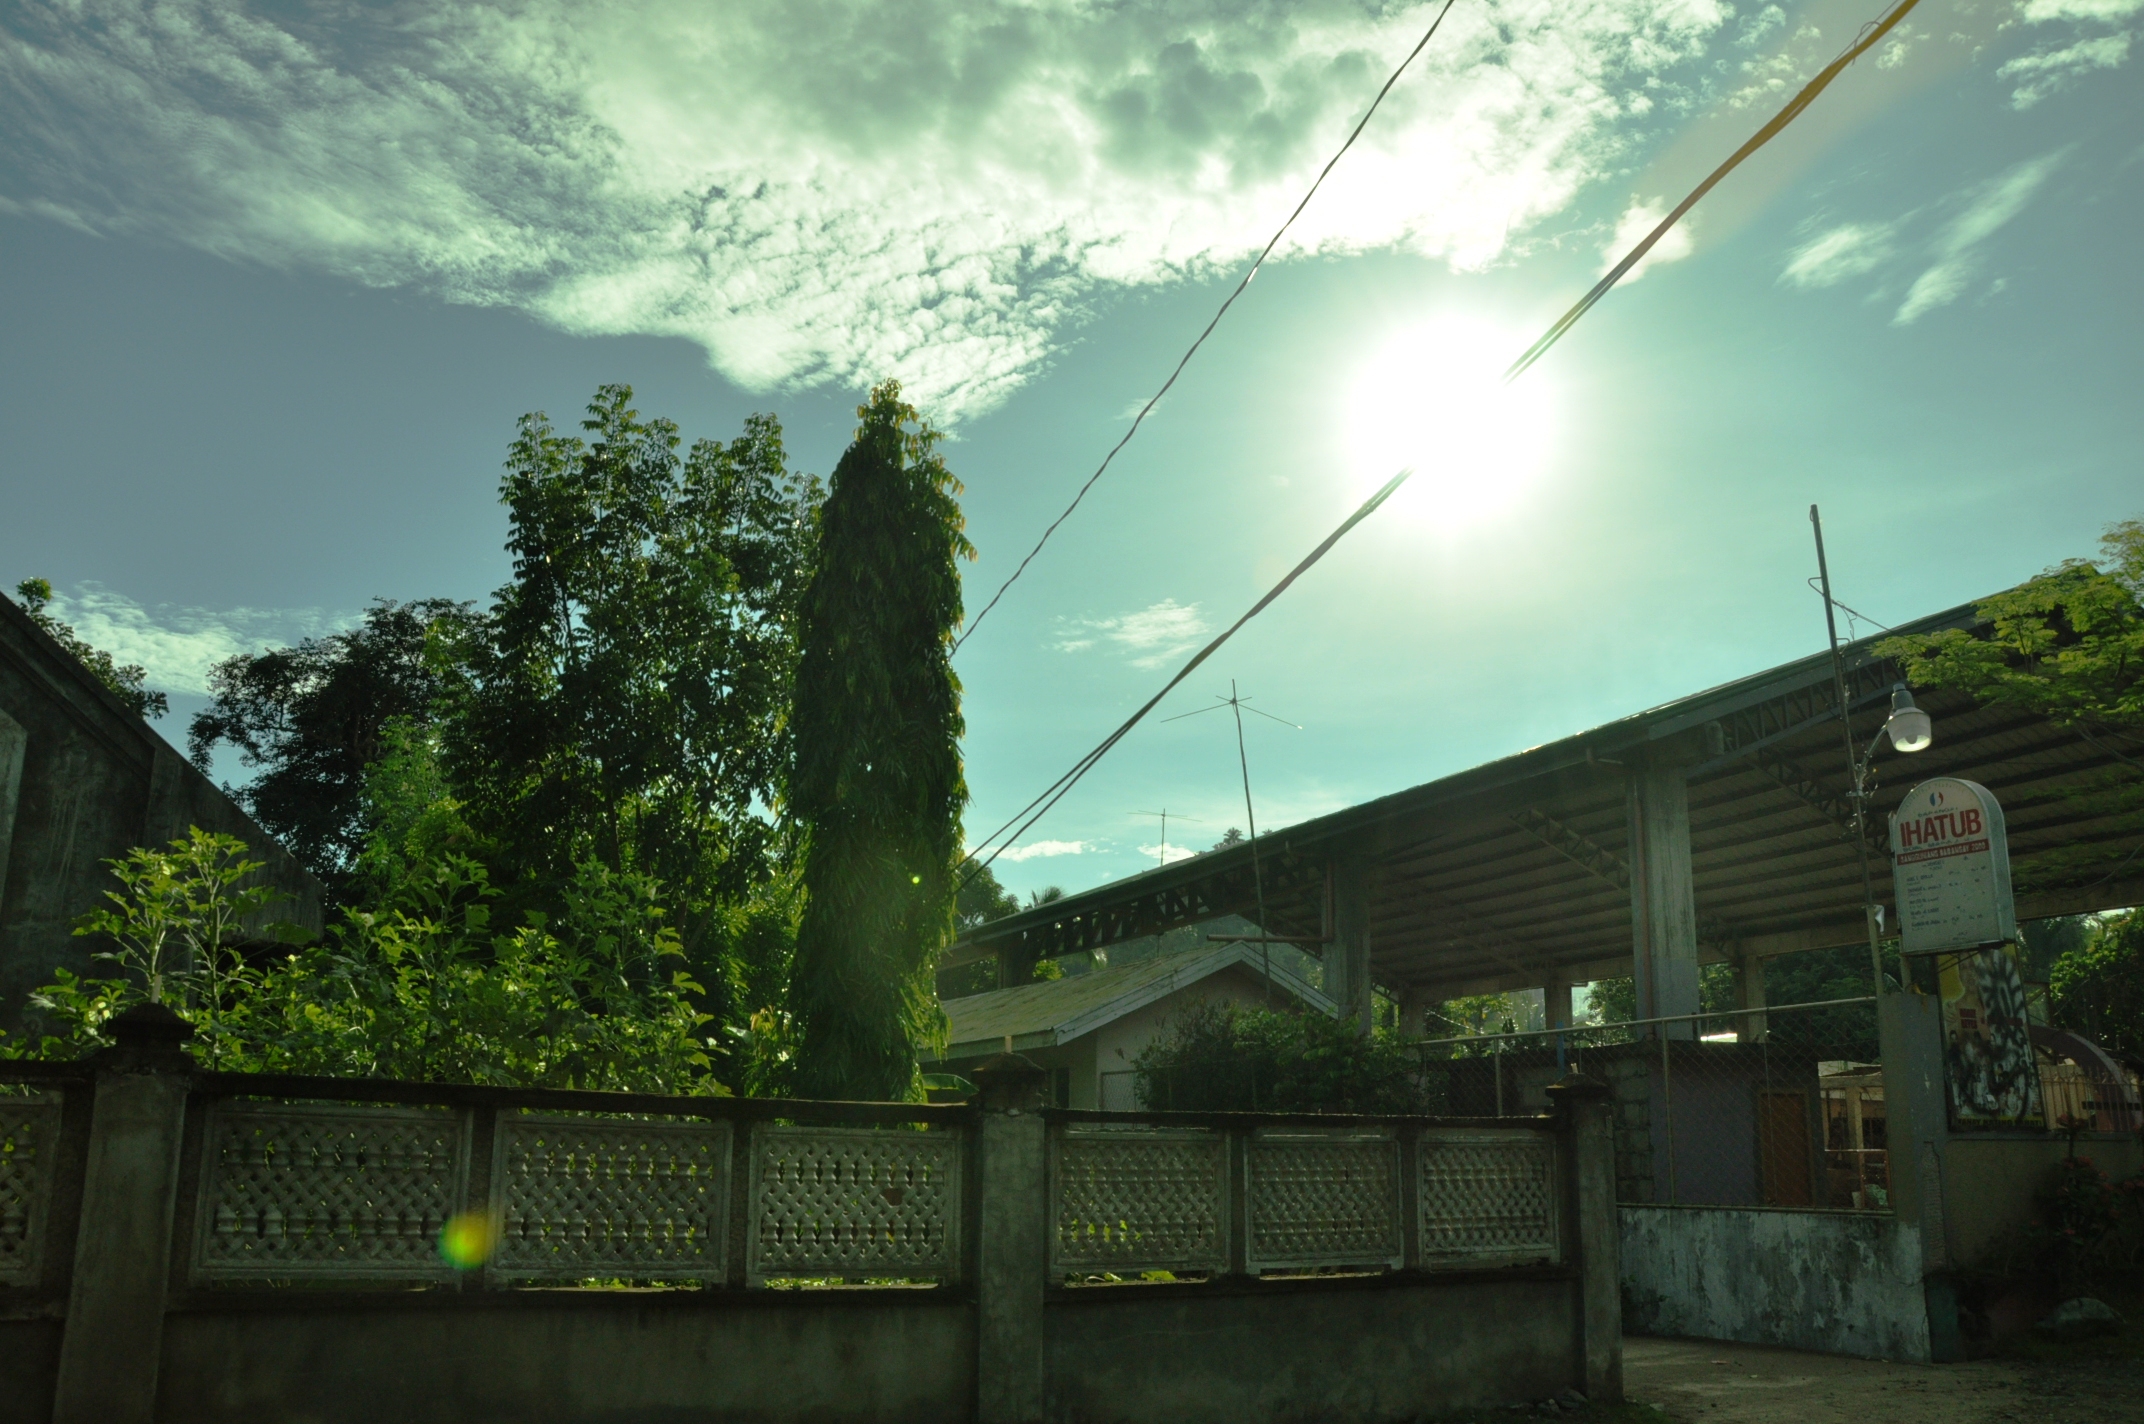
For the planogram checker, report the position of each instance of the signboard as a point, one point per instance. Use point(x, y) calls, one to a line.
point(1950, 865)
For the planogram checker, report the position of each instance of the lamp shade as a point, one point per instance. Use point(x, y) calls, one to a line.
point(1909, 728)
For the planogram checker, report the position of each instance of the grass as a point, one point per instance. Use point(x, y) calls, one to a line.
point(1628, 1412)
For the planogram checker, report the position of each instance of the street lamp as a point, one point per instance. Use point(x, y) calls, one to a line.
point(1908, 727)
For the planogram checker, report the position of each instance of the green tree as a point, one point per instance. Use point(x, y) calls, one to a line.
point(2097, 988)
point(2068, 645)
point(309, 720)
point(626, 699)
point(877, 785)
point(125, 680)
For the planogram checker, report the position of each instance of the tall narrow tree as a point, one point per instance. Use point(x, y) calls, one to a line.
point(877, 784)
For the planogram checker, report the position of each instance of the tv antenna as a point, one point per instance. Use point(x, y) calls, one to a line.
point(1239, 704)
point(1164, 814)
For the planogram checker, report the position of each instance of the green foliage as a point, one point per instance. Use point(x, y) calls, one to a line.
point(424, 985)
point(877, 784)
point(2068, 645)
point(125, 680)
point(310, 720)
point(1227, 1058)
point(626, 699)
point(2097, 988)
point(981, 900)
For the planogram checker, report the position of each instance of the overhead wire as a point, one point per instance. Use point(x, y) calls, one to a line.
point(1036, 809)
point(1193, 350)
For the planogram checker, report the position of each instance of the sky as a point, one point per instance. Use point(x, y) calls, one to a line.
point(277, 280)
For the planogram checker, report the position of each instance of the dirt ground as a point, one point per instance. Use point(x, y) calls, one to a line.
point(1700, 1382)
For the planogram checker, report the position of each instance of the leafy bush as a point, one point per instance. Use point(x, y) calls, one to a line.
point(421, 986)
point(1228, 1058)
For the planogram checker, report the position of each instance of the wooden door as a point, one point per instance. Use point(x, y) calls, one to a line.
point(1783, 1148)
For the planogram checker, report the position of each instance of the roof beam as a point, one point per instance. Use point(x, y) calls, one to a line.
point(1587, 854)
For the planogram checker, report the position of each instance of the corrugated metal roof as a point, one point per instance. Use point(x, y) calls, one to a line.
point(1053, 1011)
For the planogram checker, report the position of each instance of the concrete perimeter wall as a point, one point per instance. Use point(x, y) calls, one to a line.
point(1846, 1283)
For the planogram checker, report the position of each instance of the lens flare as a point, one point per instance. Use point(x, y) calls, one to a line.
point(467, 1241)
point(1434, 398)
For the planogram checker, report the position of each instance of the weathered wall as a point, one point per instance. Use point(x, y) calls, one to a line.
point(1846, 1283)
point(94, 781)
point(588, 1358)
point(1382, 1350)
point(1991, 1184)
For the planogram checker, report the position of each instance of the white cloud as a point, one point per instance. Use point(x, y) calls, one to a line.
point(1034, 849)
point(1956, 248)
point(1153, 635)
point(1845, 251)
point(1639, 219)
point(2046, 73)
point(1164, 854)
point(2042, 11)
point(177, 647)
point(823, 192)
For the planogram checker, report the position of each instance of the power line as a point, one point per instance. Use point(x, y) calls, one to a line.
point(1036, 809)
point(1870, 34)
point(1155, 400)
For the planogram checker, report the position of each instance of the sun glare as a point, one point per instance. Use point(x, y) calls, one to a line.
point(1434, 399)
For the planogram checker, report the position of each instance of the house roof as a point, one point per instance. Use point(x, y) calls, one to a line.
point(1055, 1011)
point(1499, 876)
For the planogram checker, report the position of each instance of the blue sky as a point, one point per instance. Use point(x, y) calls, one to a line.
point(275, 282)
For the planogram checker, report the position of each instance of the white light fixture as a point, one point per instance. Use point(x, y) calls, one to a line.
point(1909, 728)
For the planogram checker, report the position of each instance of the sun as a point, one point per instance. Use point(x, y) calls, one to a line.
point(1434, 398)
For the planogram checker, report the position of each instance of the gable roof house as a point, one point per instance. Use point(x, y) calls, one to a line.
point(83, 779)
point(1088, 1029)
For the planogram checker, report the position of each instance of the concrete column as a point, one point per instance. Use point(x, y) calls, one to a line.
point(1415, 1005)
point(1917, 1135)
point(1663, 905)
point(122, 1259)
point(1556, 1002)
point(1012, 1241)
point(1585, 1108)
point(14, 743)
point(1348, 879)
point(1754, 1028)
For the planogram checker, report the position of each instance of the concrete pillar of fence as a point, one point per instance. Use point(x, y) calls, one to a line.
point(1012, 1248)
point(1916, 1135)
point(114, 1334)
point(1347, 934)
point(1585, 1108)
point(1663, 901)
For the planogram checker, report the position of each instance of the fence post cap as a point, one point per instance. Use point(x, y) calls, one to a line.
point(150, 1032)
point(1010, 1083)
point(1578, 1088)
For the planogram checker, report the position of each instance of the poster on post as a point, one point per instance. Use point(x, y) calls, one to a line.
point(1950, 868)
point(1993, 1073)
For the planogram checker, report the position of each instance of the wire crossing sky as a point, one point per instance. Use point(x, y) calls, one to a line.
point(1035, 810)
point(281, 282)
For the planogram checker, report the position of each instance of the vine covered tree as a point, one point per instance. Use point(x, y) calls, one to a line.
point(877, 787)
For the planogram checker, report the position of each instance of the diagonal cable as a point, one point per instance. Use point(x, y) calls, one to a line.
point(1155, 400)
point(1036, 809)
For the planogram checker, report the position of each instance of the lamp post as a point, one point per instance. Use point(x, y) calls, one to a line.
point(1908, 728)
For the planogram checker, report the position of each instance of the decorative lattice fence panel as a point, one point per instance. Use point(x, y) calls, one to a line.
point(1487, 1198)
point(1139, 1199)
point(1324, 1199)
point(854, 1202)
point(582, 1196)
point(328, 1193)
point(29, 1136)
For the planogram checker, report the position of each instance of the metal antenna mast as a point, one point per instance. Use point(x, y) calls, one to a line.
point(1164, 814)
point(1236, 704)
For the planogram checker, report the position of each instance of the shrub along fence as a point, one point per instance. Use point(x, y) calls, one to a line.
point(179, 1245)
